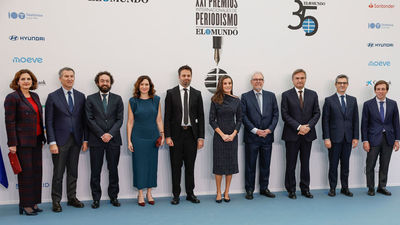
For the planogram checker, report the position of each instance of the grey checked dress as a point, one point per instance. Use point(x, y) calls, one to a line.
point(228, 117)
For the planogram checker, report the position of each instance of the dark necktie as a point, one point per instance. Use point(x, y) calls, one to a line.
point(301, 99)
point(185, 107)
point(259, 101)
point(104, 102)
point(382, 111)
point(70, 102)
point(343, 104)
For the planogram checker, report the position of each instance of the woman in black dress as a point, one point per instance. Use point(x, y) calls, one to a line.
point(225, 119)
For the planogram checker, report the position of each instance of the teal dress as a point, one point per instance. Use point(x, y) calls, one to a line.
point(144, 136)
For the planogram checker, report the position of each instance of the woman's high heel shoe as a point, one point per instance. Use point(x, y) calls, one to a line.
point(151, 202)
point(37, 209)
point(141, 203)
point(22, 211)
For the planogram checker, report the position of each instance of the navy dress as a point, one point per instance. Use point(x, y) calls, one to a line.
point(144, 136)
point(228, 117)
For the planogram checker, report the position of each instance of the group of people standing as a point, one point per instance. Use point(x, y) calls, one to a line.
point(75, 123)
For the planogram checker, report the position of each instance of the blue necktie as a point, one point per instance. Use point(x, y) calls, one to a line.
point(343, 104)
point(104, 102)
point(70, 102)
point(382, 111)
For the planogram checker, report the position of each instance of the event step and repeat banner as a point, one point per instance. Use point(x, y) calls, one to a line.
point(130, 38)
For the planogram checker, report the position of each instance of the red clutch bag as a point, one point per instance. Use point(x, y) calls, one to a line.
point(158, 142)
point(16, 166)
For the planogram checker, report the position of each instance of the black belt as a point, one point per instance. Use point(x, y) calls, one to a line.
point(186, 127)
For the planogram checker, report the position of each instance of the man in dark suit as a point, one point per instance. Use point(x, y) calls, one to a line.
point(65, 126)
point(260, 116)
point(340, 125)
point(104, 114)
point(184, 131)
point(300, 112)
point(380, 133)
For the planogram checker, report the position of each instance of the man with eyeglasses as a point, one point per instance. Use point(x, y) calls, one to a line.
point(260, 116)
point(340, 131)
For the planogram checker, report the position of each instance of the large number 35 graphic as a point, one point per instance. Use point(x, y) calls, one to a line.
point(309, 23)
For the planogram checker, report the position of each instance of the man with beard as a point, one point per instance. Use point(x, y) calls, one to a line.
point(104, 112)
point(184, 131)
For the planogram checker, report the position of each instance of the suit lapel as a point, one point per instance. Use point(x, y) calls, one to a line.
point(99, 103)
point(296, 96)
point(21, 95)
point(338, 104)
point(177, 98)
point(36, 99)
point(61, 98)
point(253, 99)
point(375, 108)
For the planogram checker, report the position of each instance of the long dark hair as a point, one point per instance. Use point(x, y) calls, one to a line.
point(218, 97)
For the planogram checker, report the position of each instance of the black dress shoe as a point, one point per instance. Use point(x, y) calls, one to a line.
point(346, 192)
point(115, 202)
point(249, 195)
point(332, 192)
point(56, 207)
point(292, 195)
point(175, 201)
point(383, 191)
point(371, 191)
point(218, 200)
point(192, 198)
point(75, 203)
point(95, 204)
point(307, 194)
point(267, 193)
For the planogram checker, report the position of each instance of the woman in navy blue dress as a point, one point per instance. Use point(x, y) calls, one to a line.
point(144, 126)
point(225, 119)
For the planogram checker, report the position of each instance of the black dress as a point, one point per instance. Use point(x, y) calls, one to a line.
point(228, 117)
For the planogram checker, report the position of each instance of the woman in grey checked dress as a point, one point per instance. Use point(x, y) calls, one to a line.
point(225, 119)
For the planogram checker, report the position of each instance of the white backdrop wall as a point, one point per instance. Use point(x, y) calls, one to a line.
point(156, 37)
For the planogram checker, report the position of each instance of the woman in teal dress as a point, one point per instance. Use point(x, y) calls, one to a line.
point(144, 126)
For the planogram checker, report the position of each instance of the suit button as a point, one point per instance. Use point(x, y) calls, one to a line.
point(106, 121)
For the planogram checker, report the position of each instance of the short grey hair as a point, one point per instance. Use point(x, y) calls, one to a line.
point(257, 72)
point(65, 69)
point(341, 76)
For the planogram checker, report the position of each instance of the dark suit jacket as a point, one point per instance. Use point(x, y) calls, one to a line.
point(294, 116)
point(100, 122)
point(60, 121)
point(252, 117)
point(174, 112)
point(339, 127)
point(372, 125)
point(21, 119)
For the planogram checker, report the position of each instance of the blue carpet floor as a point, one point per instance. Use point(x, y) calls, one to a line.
point(322, 210)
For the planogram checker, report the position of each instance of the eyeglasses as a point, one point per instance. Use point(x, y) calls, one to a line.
point(258, 79)
point(342, 83)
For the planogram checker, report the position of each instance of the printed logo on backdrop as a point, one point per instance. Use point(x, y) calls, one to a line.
point(379, 63)
point(308, 23)
point(33, 60)
point(371, 83)
point(26, 38)
point(380, 45)
point(24, 15)
point(216, 18)
point(380, 6)
point(380, 26)
point(121, 1)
